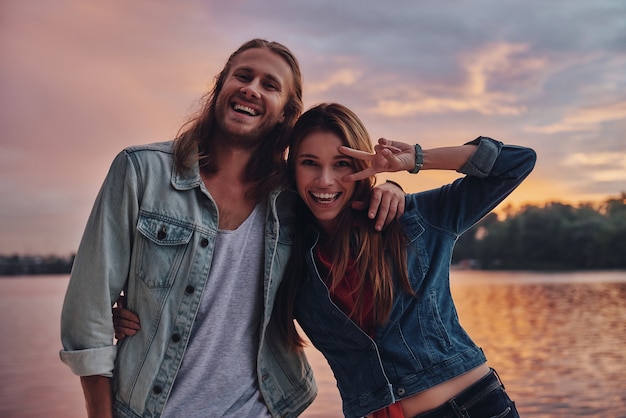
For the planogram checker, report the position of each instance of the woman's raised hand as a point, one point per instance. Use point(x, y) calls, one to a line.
point(389, 156)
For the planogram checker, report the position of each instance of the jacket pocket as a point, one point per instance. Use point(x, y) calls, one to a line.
point(439, 329)
point(160, 249)
point(422, 339)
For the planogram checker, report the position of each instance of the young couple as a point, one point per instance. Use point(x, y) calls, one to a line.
point(199, 234)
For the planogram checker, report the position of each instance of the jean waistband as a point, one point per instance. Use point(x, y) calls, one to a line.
point(468, 397)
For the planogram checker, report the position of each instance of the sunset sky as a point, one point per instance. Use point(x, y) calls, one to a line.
point(80, 80)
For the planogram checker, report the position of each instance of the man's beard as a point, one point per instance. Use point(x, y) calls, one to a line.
point(241, 137)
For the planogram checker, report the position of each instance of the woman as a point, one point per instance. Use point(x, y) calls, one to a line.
point(378, 305)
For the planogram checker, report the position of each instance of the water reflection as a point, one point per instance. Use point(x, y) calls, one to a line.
point(559, 347)
point(558, 342)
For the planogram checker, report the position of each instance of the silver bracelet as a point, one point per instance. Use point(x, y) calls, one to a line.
point(419, 159)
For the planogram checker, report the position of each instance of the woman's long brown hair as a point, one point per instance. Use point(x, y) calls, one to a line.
point(379, 257)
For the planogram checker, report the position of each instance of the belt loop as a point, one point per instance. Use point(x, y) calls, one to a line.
point(498, 377)
point(458, 412)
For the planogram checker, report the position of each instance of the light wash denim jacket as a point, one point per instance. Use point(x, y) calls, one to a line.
point(423, 344)
point(151, 233)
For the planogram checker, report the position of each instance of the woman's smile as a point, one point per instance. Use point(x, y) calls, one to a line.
point(325, 198)
point(320, 169)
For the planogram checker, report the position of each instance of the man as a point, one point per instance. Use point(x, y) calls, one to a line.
point(196, 233)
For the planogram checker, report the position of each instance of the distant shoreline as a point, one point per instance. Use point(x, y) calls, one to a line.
point(456, 267)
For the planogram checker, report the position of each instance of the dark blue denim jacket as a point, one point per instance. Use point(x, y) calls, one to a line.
point(423, 343)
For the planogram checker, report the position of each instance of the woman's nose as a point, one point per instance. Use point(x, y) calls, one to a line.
point(325, 177)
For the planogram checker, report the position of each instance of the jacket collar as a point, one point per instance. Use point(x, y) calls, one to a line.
point(186, 180)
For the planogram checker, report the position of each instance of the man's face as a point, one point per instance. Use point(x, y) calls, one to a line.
point(253, 97)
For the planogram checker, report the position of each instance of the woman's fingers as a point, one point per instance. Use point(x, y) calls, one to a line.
point(125, 323)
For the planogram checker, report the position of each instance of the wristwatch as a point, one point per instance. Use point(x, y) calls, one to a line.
point(419, 159)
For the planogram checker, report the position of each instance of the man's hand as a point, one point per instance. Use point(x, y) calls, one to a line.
point(389, 156)
point(387, 204)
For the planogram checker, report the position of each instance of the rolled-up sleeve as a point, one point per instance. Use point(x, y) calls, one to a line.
point(89, 362)
point(482, 160)
point(100, 273)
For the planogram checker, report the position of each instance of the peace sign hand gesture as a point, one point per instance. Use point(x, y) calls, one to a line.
point(389, 156)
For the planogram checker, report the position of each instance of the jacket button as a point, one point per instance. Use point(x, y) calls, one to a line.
point(157, 390)
point(204, 243)
point(189, 290)
point(401, 391)
point(176, 338)
point(162, 233)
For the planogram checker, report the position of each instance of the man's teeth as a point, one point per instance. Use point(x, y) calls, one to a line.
point(325, 197)
point(245, 109)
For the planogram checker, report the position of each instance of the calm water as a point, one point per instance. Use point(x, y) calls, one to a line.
point(558, 342)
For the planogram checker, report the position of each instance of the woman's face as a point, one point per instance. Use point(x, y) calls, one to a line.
point(319, 170)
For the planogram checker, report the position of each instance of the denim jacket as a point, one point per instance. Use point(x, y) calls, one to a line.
point(151, 234)
point(423, 343)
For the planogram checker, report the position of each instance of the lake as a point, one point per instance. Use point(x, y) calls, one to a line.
point(558, 341)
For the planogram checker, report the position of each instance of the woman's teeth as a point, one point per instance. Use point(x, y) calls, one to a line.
point(325, 197)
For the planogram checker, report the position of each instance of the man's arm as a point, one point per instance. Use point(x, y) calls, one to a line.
point(386, 204)
point(98, 397)
point(99, 271)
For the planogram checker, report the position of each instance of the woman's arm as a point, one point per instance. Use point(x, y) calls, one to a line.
point(447, 158)
point(391, 156)
point(492, 171)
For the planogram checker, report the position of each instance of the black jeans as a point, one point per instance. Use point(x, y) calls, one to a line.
point(484, 399)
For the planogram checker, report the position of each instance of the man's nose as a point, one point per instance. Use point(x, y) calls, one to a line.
point(251, 89)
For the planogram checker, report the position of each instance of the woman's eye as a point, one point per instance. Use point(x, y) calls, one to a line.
point(307, 162)
point(344, 163)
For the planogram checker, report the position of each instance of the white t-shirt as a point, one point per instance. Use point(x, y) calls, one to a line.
point(218, 375)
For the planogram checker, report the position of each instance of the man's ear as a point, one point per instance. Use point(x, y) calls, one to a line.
point(281, 119)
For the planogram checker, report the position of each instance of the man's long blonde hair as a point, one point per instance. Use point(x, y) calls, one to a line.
point(265, 169)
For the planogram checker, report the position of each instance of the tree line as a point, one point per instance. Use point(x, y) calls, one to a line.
point(20, 265)
point(555, 236)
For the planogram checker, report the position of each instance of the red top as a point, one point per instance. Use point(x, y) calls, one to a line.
point(344, 296)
